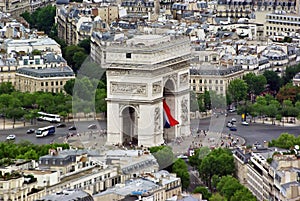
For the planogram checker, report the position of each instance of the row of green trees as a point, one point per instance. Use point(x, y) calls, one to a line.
point(216, 169)
point(10, 151)
point(88, 96)
point(272, 108)
point(285, 141)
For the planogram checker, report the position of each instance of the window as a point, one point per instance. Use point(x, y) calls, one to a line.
point(46, 83)
point(194, 81)
point(52, 83)
point(216, 81)
point(128, 55)
point(61, 82)
point(37, 61)
point(56, 83)
point(209, 81)
point(221, 81)
point(206, 58)
point(42, 84)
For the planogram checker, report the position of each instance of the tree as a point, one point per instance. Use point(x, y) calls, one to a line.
point(288, 92)
point(228, 185)
point(243, 194)
point(69, 86)
point(256, 83)
point(42, 18)
point(217, 197)
point(219, 162)
point(86, 45)
point(164, 156)
point(273, 80)
point(78, 58)
point(207, 100)
point(285, 141)
point(71, 53)
point(238, 90)
point(199, 154)
point(181, 170)
point(290, 72)
point(204, 191)
point(193, 102)
point(271, 111)
point(6, 88)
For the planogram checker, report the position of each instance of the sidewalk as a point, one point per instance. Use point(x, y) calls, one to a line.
point(277, 123)
point(10, 125)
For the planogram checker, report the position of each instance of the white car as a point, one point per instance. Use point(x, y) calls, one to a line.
point(233, 120)
point(11, 137)
point(245, 123)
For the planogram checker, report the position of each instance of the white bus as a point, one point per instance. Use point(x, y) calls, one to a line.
point(42, 132)
point(53, 118)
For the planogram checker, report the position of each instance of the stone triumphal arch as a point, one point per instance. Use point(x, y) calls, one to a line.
point(141, 73)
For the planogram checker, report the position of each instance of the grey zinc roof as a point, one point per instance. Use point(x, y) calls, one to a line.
point(213, 70)
point(47, 72)
point(132, 186)
point(69, 195)
point(52, 58)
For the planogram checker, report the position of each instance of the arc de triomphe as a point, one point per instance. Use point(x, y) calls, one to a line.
point(141, 73)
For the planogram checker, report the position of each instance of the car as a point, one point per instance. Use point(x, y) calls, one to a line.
point(71, 134)
point(245, 123)
point(11, 137)
point(231, 110)
point(72, 128)
point(30, 131)
point(233, 128)
point(92, 126)
point(61, 125)
point(233, 120)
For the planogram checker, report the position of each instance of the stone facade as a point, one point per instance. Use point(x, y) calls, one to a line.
point(140, 74)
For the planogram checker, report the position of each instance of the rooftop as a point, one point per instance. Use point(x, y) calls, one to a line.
point(209, 69)
point(47, 72)
point(69, 195)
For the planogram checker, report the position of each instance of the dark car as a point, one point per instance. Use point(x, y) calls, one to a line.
point(61, 125)
point(72, 128)
point(30, 131)
point(92, 126)
point(233, 128)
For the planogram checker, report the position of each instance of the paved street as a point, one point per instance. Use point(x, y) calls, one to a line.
point(255, 132)
point(91, 138)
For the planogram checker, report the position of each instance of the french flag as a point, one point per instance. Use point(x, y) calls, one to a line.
point(168, 119)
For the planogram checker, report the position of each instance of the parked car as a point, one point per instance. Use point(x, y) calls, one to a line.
point(30, 131)
point(11, 137)
point(61, 125)
point(92, 126)
point(233, 128)
point(245, 123)
point(72, 128)
point(233, 120)
point(71, 134)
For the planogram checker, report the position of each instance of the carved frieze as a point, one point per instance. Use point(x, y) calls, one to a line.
point(184, 110)
point(156, 87)
point(172, 76)
point(157, 119)
point(184, 78)
point(128, 88)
